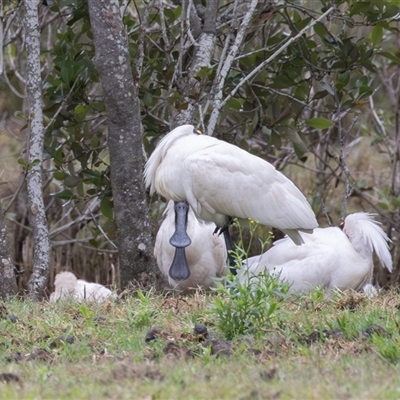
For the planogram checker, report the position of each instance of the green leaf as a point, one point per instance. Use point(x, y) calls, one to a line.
point(395, 202)
point(320, 30)
point(94, 142)
point(344, 78)
point(80, 189)
point(22, 162)
point(266, 131)
point(383, 205)
point(71, 181)
point(319, 123)
point(391, 11)
point(320, 95)
point(80, 112)
point(376, 34)
point(65, 194)
point(360, 7)
point(390, 56)
point(275, 139)
point(363, 81)
point(328, 88)
point(235, 104)
point(90, 174)
point(106, 208)
point(35, 162)
point(59, 175)
point(66, 72)
point(148, 99)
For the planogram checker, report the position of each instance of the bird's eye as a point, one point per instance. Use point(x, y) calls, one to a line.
point(197, 131)
point(341, 225)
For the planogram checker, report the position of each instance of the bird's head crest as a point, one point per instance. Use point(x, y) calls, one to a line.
point(366, 235)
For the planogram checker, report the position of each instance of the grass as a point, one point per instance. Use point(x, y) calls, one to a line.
point(342, 346)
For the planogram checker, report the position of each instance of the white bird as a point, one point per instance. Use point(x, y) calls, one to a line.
point(206, 255)
point(330, 257)
point(221, 181)
point(68, 286)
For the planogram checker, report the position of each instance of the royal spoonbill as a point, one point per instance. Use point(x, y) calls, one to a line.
point(334, 257)
point(221, 181)
point(68, 286)
point(206, 255)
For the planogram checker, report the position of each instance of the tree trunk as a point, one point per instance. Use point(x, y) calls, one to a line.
point(134, 239)
point(37, 214)
point(8, 282)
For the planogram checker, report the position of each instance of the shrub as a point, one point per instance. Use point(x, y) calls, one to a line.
point(247, 308)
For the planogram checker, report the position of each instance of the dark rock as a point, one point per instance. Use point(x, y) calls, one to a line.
point(11, 317)
point(7, 377)
point(15, 357)
point(98, 320)
point(269, 373)
point(377, 329)
point(201, 330)
point(152, 334)
point(219, 347)
point(61, 340)
point(40, 354)
point(174, 350)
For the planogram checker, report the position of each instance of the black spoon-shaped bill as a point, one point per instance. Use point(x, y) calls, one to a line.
point(179, 270)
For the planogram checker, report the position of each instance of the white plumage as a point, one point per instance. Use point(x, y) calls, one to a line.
point(67, 286)
point(220, 180)
point(206, 256)
point(330, 257)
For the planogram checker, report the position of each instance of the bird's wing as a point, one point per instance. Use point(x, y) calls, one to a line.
point(227, 180)
point(327, 258)
point(301, 266)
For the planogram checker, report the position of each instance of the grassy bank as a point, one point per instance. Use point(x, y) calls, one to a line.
point(145, 346)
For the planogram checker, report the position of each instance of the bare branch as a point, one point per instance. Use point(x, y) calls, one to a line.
point(377, 120)
point(219, 104)
point(143, 26)
point(102, 232)
point(221, 77)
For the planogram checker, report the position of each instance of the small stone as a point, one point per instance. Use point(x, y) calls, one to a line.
point(200, 329)
point(377, 329)
point(40, 355)
point(175, 351)
point(7, 377)
point(62, 339)
point(220, 347)
point(15, 357)
point(98, 320)
point(152, 334)
point(11, 317)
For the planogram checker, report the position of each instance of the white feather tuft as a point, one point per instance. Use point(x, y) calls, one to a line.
point(363, 231)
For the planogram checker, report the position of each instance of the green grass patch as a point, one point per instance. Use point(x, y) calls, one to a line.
point(146, 346)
